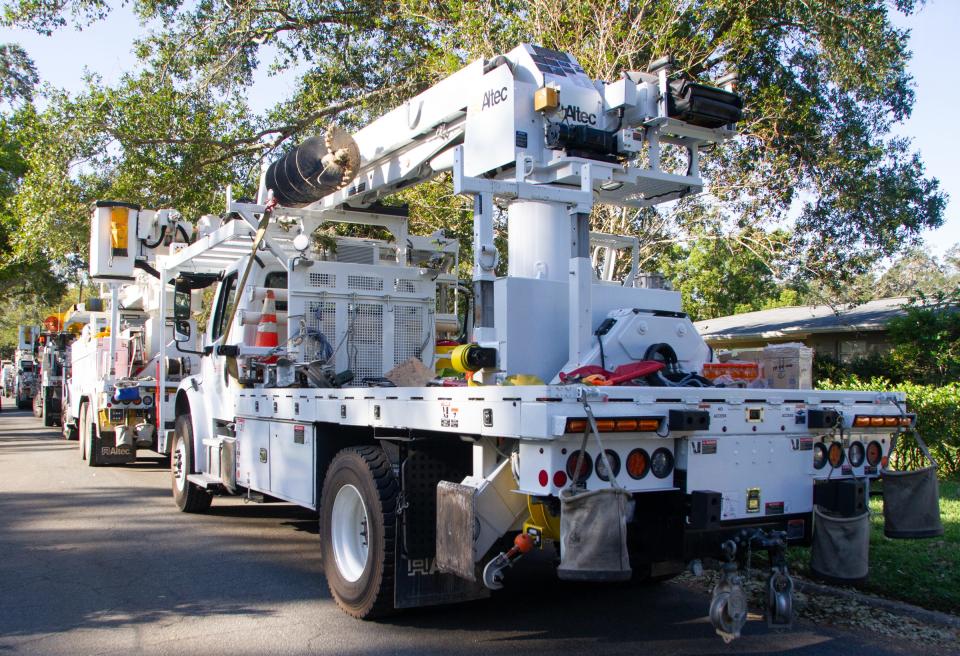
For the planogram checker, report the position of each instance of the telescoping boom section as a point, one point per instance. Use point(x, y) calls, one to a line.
point(445, 428)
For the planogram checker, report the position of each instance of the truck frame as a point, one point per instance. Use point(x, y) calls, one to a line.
point(426, 491)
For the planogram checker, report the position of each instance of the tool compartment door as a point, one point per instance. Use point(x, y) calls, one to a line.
point(292, 462)
point(253, 454)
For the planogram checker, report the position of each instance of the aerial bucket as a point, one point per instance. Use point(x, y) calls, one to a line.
point(841, 546)
point(911, 500)
point(593, 535)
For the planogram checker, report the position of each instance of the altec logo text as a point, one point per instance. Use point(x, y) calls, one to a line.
point(494, 97)
point(574, 113)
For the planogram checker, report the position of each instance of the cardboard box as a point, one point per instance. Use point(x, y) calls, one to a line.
point(783, 366)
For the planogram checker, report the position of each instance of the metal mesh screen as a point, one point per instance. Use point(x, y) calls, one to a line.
point(368, 283)
point(355, 253)
point(323, 279)
point(365, 342)
point(405, 286)
point(321, 321)
point(407, 332)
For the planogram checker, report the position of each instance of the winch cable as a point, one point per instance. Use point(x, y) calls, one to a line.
point(592, 428)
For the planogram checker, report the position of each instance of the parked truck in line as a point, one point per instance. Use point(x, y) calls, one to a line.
point(25, 382)
point(580, 424)
point(114, 387)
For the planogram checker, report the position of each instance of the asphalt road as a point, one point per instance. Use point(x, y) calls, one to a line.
point(99, 561)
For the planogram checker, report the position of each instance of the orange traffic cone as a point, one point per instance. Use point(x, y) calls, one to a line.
point(267, 327)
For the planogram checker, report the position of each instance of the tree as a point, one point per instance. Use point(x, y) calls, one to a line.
point(927, 339)
point(823, 81)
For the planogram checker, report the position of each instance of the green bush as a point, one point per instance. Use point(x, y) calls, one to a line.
point(938, 420)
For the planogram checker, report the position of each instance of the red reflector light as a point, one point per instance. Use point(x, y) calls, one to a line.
point(559, 479)
point(586, 466)
point(544, 478)
point(874, 454)
point(638, 464)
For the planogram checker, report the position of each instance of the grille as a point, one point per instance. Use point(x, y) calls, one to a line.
point(404, 286)
point(365, 342)
point(321, 329)
point(407, 332)
point(323, 280)
point(368, 283)
point(355, 253)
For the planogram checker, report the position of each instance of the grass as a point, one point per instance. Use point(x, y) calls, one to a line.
point(923, 572)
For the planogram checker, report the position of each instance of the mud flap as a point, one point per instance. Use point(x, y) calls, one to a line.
point(418, 582)
point(108, 453)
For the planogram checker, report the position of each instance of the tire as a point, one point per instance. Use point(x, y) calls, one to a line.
point(360, 489)
point(81, 431)
point(48, 418)
point(69, 427)
point(91, 443)
point(188, 497)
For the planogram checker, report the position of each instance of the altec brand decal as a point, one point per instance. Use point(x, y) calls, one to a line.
point(494, 97)
point(574, 113)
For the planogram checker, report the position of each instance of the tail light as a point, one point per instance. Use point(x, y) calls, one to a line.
point(884, 421)
point(586, 466)
point(874, 453)
point(638, 464)
point(661, 463)
point(601, 468)
point(835, 455)
point(856, 454)
point(617, 425)
point(559, 479)
point(819, 456)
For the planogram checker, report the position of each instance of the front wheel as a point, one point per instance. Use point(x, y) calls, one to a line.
point(358, 530)
point(188, 497)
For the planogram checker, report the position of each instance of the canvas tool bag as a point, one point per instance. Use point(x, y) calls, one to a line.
point(593, 525)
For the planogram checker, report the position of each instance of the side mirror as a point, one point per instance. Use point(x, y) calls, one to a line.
point(181, 303)
point(181, 331)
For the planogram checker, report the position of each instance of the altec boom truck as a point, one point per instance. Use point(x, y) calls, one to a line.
point(114, 387)
point(423, 487)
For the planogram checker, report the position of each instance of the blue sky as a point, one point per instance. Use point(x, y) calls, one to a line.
point(934, 127)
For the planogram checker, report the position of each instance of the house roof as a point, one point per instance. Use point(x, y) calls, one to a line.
point(802, 320)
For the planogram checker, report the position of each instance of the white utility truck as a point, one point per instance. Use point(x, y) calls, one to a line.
point(114, 386)
point(429, 489)
point(51, 356)
point(25, 367)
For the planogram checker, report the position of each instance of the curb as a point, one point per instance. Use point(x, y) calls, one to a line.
point(899, 607)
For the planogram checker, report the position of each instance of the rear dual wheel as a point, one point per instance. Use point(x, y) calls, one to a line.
point(358, 531)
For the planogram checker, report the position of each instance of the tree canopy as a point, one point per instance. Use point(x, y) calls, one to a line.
point(823, 83)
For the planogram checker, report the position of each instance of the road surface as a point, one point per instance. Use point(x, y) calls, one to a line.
point(99, 561)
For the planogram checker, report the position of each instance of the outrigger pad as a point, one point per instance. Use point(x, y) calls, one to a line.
point(593, 535)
